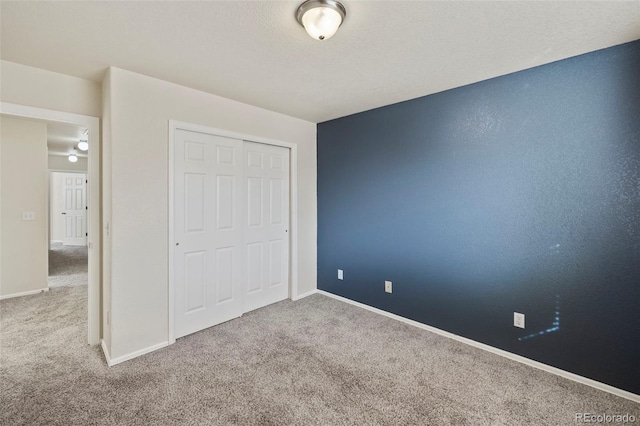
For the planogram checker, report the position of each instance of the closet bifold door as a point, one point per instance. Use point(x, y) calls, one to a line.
point(208, 230)
point(266, 236)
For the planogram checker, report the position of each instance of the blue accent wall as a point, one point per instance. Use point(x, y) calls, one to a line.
point(520, 193)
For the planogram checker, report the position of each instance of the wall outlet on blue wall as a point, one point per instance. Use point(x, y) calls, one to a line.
point(518, 320)
point(388, 286)
point(340, 274)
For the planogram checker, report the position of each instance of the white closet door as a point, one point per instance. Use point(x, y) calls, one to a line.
point(75, 209)
point(266, 181)
point(208, 230)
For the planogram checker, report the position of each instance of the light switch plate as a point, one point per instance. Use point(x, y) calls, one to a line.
point(388, 286)
point(340, 274)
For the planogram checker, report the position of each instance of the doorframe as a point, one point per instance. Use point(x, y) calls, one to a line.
point(93, 200)
point(293, 204)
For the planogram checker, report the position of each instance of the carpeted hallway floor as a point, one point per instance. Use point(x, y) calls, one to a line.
point(317, 361)
point(67, 265)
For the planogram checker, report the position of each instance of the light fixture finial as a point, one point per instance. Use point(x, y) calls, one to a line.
point(321, 18)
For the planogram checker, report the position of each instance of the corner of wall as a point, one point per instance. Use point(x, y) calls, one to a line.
point(105, 160)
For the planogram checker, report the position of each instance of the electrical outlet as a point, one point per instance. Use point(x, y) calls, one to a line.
point(388, 286)
point(518, 320)
point(28, 215)
point(340, 274)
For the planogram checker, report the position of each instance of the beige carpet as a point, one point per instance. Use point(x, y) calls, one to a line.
point(68, 265)
point(317, 361)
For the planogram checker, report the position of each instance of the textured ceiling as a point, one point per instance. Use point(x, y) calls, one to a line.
point(255, 51)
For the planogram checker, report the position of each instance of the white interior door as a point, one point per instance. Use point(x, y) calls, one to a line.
point(75, 209)
point(266, 178)
point(208, 222)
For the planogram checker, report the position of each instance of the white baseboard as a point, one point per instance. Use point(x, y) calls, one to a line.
point(113, 361)
point(105, 351)
point(303, 295)
point(24, 293)
point(553, 370)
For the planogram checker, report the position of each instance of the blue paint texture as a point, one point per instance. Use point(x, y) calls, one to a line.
point(505, 195)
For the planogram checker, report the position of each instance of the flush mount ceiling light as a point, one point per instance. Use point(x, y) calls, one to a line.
point(73, 157)
point(83, 145)
point(321, 18)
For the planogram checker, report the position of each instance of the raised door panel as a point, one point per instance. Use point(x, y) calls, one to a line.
point(276, 248)
point(225, 204)
point(276, 199)
point(194, 202)
point(254, 201)
point(195, 273)
point(225, 274)
point(254, 268)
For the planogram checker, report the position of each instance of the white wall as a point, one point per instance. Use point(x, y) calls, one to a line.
point(36, 87)
point(58, 162)
point(23, 187)
point(140, 108)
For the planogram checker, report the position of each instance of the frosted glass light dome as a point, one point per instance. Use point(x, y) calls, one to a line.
point(321, 18)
